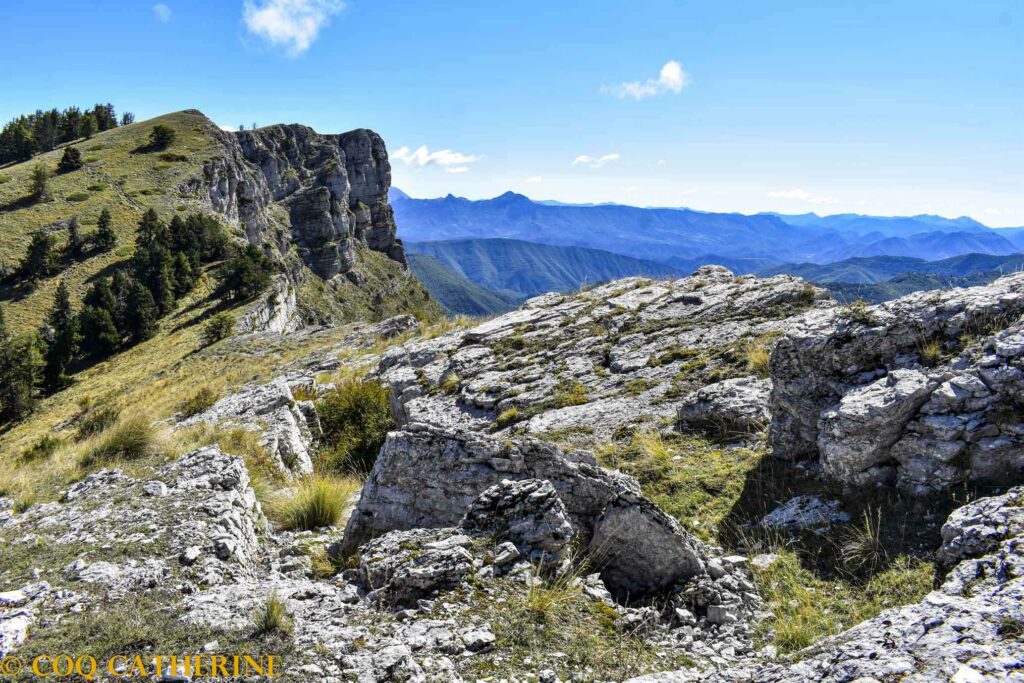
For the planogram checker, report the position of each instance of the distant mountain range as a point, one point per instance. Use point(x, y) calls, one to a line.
point(882, 268)
point(683, 236)
point(516, 269)
point(457, 294)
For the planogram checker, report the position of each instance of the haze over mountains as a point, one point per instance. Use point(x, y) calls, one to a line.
point(667, 234)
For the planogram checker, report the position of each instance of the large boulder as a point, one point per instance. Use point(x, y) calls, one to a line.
point(428, 478)
point(286, 426)
point(737, 405)
point(927, 388)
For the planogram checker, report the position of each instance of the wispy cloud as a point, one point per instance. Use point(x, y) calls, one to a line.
point(595, 162)
point(291, 24)
point(535, 179)
point(804, 196)
point(162, 12)
point(671, 79)
point(451, 162)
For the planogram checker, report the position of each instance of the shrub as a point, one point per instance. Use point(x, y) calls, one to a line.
point(40, 181)
point(861, 548)
point(44, 448)
point(77, 196)
point(931, 353)
point(318, 502)
point(219, 327)
point(758, 360)
point(857, 311)
point(96, 421)
point(172, 157)
point(131, 439)
point(508, 417)
point(198, 402)
point(71, 160)
point(161, 136)
point(272, 617)
point(355, 418)
point(450, 385)
point(571, 394)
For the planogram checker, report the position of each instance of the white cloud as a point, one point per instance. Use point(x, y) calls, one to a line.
point(671, 79)
point(535, 179)
point(162, 12)
point(291, 24)
point(229, 129)
point(803, 196)
point(451, 162)
point(594, 162)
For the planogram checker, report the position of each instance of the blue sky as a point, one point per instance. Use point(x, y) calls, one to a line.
point(883, 108)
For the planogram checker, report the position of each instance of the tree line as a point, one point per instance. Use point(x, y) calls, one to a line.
point(125, 308)
point(31, 134)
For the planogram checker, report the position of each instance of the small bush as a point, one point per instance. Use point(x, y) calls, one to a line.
point(96, 421)
point(861, 549)
point(131, 439)
point(931, 353)
point(571, 394)
point(172, 157)
point(507, 418)
point(355, 418)
point(857, 311)
point(71, 160)
point(198, 402)
point(758, 360)
point(97, 187)
point(77, 196)
point(161, 136)
point(272, 617)
point(44, 448)
point(220, 326)
point(318, 502)
point(450, 385)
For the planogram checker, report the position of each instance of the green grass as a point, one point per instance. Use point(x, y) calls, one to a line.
point(272, 618)
point(133, 438)
point(115, 172)
point(315, 502)
point(355, 418)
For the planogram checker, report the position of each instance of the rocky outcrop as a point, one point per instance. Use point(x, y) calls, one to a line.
point(428, 478)
point(619, 356)
point(967, 630)
point(290, 187)
point(738, 405)
point(925, 390)
point(287, 428)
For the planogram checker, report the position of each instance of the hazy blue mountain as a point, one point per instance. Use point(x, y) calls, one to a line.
point(740, 266)
point(888, 226)
point(882, 268)
point(904, 284)
point(455, 292)
point(522, 269)
point(684, 237)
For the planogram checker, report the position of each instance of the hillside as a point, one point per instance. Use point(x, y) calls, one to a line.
point(522, 269)
point(664, 234)
point(208, 170)
point(454, 291)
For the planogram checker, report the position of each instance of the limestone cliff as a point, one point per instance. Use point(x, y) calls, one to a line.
point(289, 186)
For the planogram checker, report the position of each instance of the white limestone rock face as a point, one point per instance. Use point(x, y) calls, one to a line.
point(738, 405)
point(926, 389)
point(429, 478)
point(270, 410)
point(619, 356)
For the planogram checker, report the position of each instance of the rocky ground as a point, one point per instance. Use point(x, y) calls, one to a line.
point(488, 542)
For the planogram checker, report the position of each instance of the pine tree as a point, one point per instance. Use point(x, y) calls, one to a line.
point(105, 238)
point(127, 118)
point(151, 230)
point(63, 328)
point(75, 243)
point(161, 136)
point(184, 275)
point(100, 336)
point(19, 370)
point(71, 160)
point(140, 313)
point(40, 181)
point(87, 128)
point(39, 260)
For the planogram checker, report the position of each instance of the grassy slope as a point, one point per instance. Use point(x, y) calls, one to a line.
point(116, 177)
point(456, 292)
